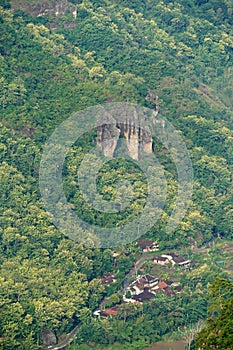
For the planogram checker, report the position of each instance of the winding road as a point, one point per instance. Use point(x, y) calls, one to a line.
point(71, 336)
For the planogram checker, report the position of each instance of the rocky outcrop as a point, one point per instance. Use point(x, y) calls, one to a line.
point(107, 136)
point(52, 8)
point(48, 337)
point(133, 128)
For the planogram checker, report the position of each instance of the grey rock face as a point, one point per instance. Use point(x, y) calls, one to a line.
point(54, 8)
point(48, 337)
point(132, 127)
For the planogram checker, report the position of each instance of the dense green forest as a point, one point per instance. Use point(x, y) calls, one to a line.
point(218, 331)
point(113, 51)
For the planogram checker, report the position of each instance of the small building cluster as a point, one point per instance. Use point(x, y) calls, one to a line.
point(173, 259)
point(146, 245)
point(144, 288)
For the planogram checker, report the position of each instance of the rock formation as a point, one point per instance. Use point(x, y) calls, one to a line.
point(48, 337)
point(107, 138)
point(53, 8)
point(132, 127)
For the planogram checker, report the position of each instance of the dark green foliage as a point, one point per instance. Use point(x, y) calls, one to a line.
point(218, 332)
point(5, 4)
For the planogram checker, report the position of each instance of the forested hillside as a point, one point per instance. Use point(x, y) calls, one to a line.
point(53, 65)
point(219, 332)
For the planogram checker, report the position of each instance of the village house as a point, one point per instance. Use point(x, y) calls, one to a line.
point(185, 263)
point(180, 260)
point(141, 283)
point(110, 312)
point(136, 289)
point(160, 260)
point(131, 300)
point(108, 278)
point(161, 286)
point(147, 245)
point(144, 296)
point(172, 258)
point(169, 257)
point(145, 281)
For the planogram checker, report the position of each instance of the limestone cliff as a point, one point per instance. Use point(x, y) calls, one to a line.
point(107, 138)
point(132, 127)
